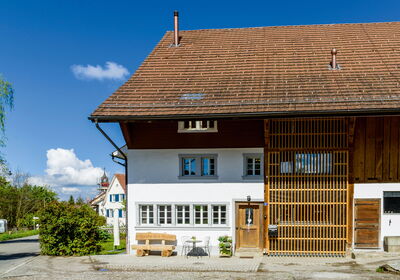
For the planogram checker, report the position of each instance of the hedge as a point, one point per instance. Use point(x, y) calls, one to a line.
point(69, 229)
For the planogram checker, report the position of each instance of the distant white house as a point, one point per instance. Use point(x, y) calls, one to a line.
point(112, 205)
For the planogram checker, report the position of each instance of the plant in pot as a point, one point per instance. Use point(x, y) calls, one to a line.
point(225, 246)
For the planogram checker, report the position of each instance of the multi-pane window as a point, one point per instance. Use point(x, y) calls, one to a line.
point(201, 214)
point(391, 202)
point(198, 165)
point(189, 166)
point(182, 214)
point(219, 214)
point(253, 166)
point(197, 126)
point(117, 197)
point(207, 166)
point(110, 213)
point(146, 214)
point(315, 163)
point(164, 214)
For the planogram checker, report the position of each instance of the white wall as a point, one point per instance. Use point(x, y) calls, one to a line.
point(376, 191)
point(153, 178)
point(115, 188)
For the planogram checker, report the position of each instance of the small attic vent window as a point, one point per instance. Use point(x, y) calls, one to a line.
point(197, 126)
point(192, 96)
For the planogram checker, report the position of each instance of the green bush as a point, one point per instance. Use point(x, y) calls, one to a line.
point(104, 235)
point(67, 230)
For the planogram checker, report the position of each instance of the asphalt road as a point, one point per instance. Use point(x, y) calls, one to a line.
point(15, 253)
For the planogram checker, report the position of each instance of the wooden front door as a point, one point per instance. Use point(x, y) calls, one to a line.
point(367, 223)
point(249, 225)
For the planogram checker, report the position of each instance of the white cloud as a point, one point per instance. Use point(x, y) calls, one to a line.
point(64, 168)
point(111, 70)
point(68, 190)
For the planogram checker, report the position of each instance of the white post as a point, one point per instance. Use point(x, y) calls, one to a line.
point(116, 228)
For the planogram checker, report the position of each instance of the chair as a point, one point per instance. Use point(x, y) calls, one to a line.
point(185, 244)
point(206, 245)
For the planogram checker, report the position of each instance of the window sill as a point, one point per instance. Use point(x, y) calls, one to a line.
point(198, 177)
point(181, 227)
point(248, 177)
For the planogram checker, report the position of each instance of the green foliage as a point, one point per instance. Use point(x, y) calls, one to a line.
point(80, 201)
point(27, 221)
point(104, 235)
point(225, 245)
point(17, 202)
point(17, 234)
point(71, 200)
point(67, 230)
point(6, 101)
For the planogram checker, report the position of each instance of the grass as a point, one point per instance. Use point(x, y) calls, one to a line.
point(17, 234)
point(107, 247)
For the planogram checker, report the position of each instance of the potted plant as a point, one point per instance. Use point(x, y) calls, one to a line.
point(225, 246)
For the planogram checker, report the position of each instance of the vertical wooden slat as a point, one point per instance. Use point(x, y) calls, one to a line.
point(394, 166)
point(310, 203)
point(379, 148)
point(386, 148)
point(370, 164)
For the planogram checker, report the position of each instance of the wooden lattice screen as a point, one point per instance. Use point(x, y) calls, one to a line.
point(307, 185)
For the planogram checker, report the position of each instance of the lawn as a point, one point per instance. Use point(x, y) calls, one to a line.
point(17, 234)
point(107, 247)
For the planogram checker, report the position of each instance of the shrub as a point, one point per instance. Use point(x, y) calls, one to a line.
point(67, 230)
point(104, 235)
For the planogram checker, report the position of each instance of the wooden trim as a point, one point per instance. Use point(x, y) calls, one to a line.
point(266, 186)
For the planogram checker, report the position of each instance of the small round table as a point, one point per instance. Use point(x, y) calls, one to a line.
point(194, 250)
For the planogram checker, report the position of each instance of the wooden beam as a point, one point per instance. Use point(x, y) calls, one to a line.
point(127, 132)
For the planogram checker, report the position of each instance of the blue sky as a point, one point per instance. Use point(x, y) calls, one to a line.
point(41, 40)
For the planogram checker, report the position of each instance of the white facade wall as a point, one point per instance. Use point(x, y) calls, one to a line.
point(115, 188)
point(153, 178)
point(390, 223)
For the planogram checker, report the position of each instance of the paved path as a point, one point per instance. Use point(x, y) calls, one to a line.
point(15, 253)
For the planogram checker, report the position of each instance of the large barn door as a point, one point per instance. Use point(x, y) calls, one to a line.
point(307, 186)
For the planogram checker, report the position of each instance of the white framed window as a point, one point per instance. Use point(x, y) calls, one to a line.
point(182, 214)
point(194, 126)
point(198, 166)
point(200, 214)
point(219, 214)
point(208, 166)
point(164, 214)
point(146, 213)
point(253, 166)
point(110, 213)
point(189, 166)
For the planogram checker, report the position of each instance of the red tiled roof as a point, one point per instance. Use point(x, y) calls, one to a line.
point(121, 179)
point(264, 71)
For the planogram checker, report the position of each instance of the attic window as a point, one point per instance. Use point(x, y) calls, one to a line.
point(192, 96)
point(197, 126)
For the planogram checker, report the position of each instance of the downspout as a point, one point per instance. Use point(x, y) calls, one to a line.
point(125, 165)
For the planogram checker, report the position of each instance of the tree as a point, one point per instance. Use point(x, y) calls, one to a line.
point(6, 102)
point(71, 200)
point(19, 202)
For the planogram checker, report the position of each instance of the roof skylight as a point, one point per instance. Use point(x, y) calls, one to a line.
point(192, 96)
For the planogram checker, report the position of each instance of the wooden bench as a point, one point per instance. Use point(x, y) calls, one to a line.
point(148, 238)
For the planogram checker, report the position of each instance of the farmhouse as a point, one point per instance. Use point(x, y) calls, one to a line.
point(285, 138)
